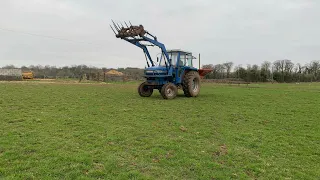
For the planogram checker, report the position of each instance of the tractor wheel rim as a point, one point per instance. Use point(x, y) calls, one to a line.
point(195, 85)
point(145, 89)
point(169, 92)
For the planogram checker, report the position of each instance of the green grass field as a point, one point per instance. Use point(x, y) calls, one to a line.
point(91, 131)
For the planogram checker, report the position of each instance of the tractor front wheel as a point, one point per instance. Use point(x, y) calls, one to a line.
point(169, 91)
point(144, 90)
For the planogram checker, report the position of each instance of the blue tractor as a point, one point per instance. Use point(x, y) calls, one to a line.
point(172, 70)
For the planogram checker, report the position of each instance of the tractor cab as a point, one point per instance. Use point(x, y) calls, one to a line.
point(173, 69)
point(181, 58)
point(171, 63)
point(177, 57)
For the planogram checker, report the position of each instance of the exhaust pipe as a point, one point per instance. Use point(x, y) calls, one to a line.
point(199, 60)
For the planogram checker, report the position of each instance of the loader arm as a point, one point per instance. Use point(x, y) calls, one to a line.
point(144, 48)
point(136, 35)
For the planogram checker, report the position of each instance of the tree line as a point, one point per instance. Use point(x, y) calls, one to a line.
point(278, 71)
point(76, 71)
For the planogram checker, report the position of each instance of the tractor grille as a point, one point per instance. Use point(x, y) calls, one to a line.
point(155, 73)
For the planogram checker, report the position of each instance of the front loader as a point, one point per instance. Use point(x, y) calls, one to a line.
point(172, 70)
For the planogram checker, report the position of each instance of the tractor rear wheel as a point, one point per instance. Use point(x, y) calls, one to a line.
point(169, 91)
point(191, 84)
point(144, 90)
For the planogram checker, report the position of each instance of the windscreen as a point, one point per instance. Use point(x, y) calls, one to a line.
point(162, 61)
point(173, 56)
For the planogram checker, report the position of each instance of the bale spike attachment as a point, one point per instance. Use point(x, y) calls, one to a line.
point(129, 31)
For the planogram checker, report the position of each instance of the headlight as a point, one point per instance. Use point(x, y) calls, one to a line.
point(149, 71)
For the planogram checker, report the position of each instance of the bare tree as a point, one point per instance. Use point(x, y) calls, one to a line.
point(219, 69)
point(208, 66)
point(104, 74)
point(237, 70)
point(277, 66)
point(315, 67)
point(228, 67)
point(266, 65)
point(299, 68)
point(288, 66)
point(282, 66)
point(9, 67)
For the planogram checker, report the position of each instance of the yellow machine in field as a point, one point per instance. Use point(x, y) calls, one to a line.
point(27, 75)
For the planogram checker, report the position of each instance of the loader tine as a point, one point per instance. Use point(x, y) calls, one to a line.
point(122, 25)
point(114, 24)
point(119, 26)
point(130, 23)
point(116, 27)
point(126, 24)
point(113, 30)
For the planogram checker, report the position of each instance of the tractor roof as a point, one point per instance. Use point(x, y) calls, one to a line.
point(178, 50)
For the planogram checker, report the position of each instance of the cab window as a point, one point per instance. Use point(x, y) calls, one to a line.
point(174, 58)
point(186, 60)
point(189, 60)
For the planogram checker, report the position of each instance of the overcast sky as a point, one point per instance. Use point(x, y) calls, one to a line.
point(242, 31)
